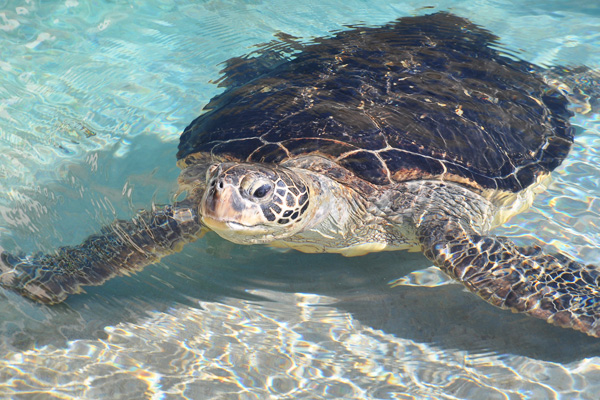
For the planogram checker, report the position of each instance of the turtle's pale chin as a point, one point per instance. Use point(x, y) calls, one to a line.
point(239, 233)
point(233, 227)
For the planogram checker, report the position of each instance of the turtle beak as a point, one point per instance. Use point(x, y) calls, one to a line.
point(221, 200)
point(224, 209)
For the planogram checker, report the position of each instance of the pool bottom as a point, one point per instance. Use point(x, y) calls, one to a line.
point(304, 348)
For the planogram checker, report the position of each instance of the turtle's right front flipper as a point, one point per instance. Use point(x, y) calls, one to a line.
point(121, 248)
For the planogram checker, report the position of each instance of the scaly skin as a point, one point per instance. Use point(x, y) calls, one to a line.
point(448, 221)
point(554, 288)
point(122, 248)
point(550, 287)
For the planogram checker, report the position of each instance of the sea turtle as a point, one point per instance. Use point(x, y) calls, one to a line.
point(415, 134)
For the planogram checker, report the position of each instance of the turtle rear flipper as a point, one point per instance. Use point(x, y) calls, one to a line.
point(551, 287)
point(121, 248)
point(239, 71)
point(581, 85)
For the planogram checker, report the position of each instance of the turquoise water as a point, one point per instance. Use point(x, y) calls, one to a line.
point(92, 101)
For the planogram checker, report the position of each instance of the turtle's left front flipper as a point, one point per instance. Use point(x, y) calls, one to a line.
point(121, 248)
point(551, 287)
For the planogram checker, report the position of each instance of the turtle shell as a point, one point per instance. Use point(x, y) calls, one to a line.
point(422, 97)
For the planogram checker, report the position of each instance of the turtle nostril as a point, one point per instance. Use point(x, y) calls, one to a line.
point(216, 185)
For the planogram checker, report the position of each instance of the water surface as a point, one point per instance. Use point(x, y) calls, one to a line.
point(93, 98)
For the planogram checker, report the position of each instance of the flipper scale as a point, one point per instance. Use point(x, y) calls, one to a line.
point(121, 248)
point(555, 288)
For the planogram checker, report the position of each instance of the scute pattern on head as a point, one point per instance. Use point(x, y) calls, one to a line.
point(253, 203)
point(289, 202)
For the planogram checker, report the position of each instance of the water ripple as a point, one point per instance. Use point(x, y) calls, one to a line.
point(241, 348)
point(93, 98)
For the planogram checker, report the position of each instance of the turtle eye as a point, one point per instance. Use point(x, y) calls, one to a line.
point(262, 190)
point(254, 187)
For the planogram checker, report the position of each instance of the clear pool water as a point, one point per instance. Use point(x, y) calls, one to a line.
point(93, 96)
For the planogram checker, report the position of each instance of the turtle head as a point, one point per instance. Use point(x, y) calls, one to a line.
point(255, 203)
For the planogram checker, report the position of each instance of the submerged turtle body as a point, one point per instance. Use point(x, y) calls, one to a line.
point(413, 134)
point(425, 98)
point(422, 98)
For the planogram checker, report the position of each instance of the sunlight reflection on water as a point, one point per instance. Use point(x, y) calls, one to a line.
point(307, 349)
point(93, 98)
